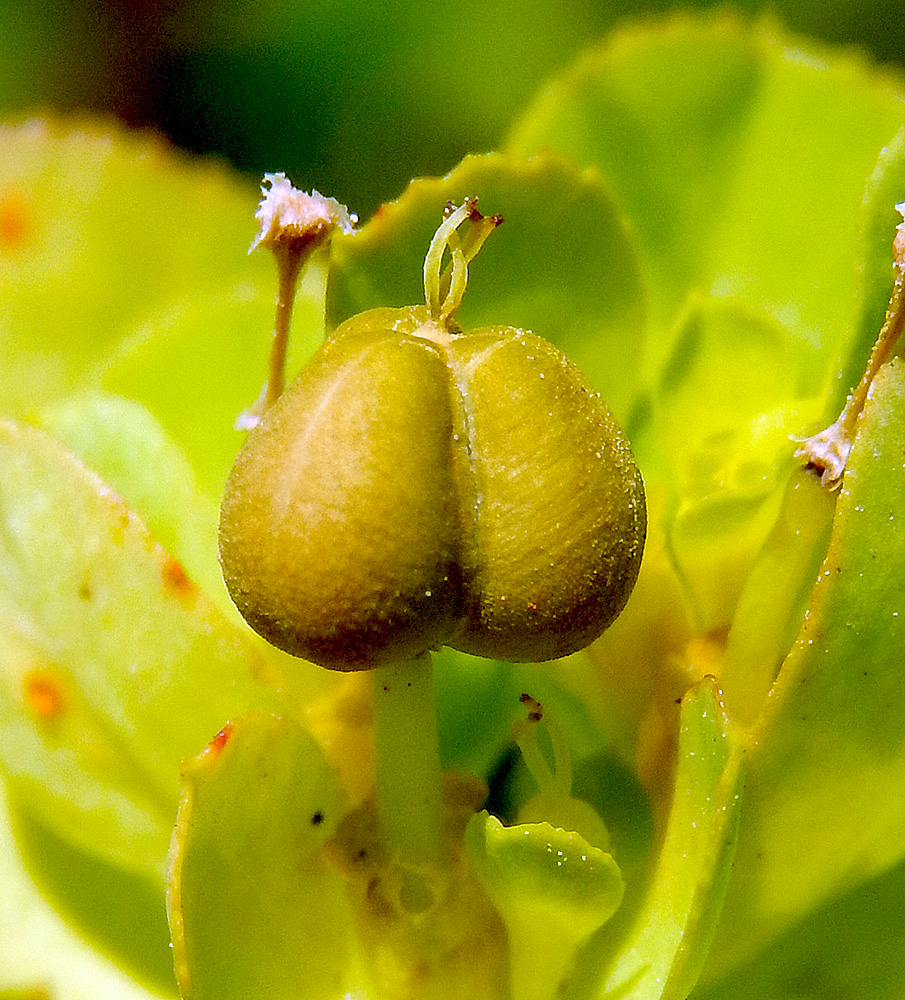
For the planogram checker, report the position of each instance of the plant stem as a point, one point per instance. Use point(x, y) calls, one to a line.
point(290, 258)
point(407, 763)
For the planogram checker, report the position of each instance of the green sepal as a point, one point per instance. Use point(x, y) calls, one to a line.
point(552, 889)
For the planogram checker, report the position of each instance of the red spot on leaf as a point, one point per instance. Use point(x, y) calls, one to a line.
point(44, 696)
point(175, 578)
point(216, 745)
point(14, 219)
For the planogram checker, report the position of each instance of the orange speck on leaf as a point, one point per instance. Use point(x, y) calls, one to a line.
point(216, 745)
point(13, 221)
point(175, 578)
point(44, 696)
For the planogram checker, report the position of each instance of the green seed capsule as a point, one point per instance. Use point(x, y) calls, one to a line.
point(417, 486)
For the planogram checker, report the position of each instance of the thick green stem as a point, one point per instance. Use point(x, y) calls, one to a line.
point(407, 763)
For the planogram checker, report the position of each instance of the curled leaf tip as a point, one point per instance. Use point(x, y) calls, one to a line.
point(285, 213)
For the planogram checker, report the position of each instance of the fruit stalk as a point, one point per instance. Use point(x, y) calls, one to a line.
point(407, 763)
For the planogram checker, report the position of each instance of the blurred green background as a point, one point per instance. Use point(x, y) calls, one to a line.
point(352, 97)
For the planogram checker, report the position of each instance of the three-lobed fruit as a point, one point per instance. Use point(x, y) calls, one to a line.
point(417, 486)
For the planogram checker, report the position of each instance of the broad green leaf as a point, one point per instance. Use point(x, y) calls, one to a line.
point(254, 908)
point(115, 666)
point(853, 946)
point(561, 265)
point(41, 954)
point(127, 243)
point(552, 888)
point(823, 808)
point(739, 158)
point(124, 264)
point(121, 914)
point(666, 944)
point(120, 441)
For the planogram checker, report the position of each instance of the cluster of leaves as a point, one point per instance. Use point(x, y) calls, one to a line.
point(686, 217)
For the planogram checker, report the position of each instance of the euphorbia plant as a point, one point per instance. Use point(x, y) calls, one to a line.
point(680, 803)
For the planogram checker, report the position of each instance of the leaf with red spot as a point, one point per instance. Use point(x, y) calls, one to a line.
point(115, 665)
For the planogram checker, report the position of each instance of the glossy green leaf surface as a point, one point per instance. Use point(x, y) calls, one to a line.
point(115, 665)
point(739, 159)
point(255, 910)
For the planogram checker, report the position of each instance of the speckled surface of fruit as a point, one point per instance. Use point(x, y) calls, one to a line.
point(417, 486)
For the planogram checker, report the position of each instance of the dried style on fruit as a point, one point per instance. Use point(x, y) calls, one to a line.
point(419, 486)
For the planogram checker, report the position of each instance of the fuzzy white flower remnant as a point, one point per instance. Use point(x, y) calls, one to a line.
point(285, 213)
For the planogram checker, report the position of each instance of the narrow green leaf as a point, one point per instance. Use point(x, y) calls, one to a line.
point(772, 604)
point(665, 948)
point(254, 908)
point(822, 808)
point(879, 218)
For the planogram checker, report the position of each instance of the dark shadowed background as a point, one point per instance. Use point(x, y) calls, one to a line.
point(350, 96)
